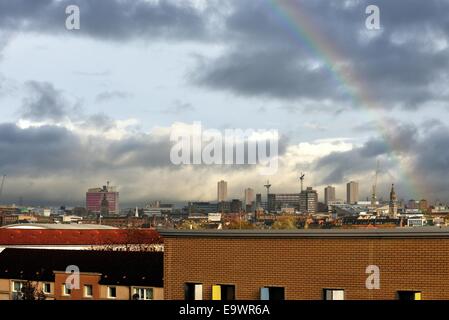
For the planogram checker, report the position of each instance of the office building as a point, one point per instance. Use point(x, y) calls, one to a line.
point(222, 191)
point(308, 202)
point(259, 204)
point(279, 201)
point(236, 206)
point(352, 192)
point(423, 205)
point(249, 196)
point(202, 207)
point(329, 195)
point(104, 199)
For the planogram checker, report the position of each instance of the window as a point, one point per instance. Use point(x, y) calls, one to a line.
point(65, 290)
point(46, 287)
point(409, 295)
point(88, 291)
point(112, 292)
point(334, 294)
point(223, 292)
point(193, 291)
point(272, 293)
point(143, 293)
point(17, 286)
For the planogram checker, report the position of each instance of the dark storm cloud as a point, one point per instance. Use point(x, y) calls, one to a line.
point(44, 103)
point(266, 53)
point(425, 147)
point(340, 166)
point(107, 19)
point(403, 65)
point(272, 73)
point(38, 151)
point(50, 149)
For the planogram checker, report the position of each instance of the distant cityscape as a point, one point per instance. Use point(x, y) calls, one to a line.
point(258, 210)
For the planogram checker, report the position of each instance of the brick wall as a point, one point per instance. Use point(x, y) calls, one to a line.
point(305, 266)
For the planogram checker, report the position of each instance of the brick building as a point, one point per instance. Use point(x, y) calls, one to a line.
point(306, 264)
point(103, 275)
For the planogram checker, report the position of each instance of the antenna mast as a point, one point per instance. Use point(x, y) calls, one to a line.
point(373, 196)
point(301, 177)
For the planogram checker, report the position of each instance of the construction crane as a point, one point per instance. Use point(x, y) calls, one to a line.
point(301, 177)
point(373, 196)
point(2, 185)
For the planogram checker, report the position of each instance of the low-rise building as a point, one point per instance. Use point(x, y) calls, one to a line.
point(101, 275)
point(372, 264)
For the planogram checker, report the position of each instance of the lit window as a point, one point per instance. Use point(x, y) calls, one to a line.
point(88, 291)
point(223, 292)
point(46, 287)
point(112, 292)
point(409, 295)
point(334, 294)
point(193, 291)
point(143, 294)
point(65, 290)
point(17, 286)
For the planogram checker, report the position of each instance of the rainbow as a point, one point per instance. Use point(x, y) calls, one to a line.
point(296, 21)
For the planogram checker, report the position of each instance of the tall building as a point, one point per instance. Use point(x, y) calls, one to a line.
point(423, 205)
point(308, 201)
point(96, 199)
point(329, 195)
point(278, 201)
point(413, 204)
point(259, 203)
point(222, 190)
point(352, 192)
point(393, 206)
point(249, 196)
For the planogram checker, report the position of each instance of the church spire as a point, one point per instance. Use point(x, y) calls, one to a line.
point(393, 203)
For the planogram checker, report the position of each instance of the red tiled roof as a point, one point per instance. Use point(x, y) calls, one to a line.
point(78, 237)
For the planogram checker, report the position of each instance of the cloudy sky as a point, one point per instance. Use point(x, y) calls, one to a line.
point(80, 107)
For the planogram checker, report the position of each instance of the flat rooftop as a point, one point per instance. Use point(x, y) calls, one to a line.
point(58, 226)
point(412, 232)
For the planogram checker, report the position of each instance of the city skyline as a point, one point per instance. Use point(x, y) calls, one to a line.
point(96, 104)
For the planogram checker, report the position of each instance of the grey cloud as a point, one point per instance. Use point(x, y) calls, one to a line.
point(179, 107)
point(44, 103)
point(111, 95)
point(276, 74)
point(266, 45)
point(424, 147)
point(107, 19)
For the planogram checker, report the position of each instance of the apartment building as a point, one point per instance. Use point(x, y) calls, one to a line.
point(102, 275)
point(369, 264)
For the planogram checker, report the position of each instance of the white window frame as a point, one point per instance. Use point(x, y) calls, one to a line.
point(109, 292)
point(43, 287)
point(13, 289)
point(66, 291)
point(91, 291)
point(13, 286)
point(144, 290)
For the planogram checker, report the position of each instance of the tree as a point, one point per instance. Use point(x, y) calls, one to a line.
point(285, 223)
point(30, 291)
